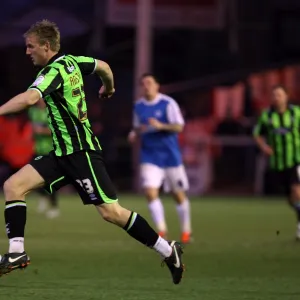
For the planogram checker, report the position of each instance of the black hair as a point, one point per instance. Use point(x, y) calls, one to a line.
point(150, 75)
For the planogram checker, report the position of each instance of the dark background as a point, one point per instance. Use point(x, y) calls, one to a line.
point(267, 35)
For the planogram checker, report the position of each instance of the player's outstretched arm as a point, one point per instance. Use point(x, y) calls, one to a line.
point(104, 71)
point(20, 102)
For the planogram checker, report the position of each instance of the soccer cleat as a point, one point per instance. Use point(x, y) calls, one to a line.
point(13, 261)
point(174, 262)
point(186, 238)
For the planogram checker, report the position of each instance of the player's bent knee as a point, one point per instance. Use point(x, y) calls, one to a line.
point(22, 182)
point(11, 189)
point(7, 186)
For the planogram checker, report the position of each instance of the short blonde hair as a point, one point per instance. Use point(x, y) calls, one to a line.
point(46, 31)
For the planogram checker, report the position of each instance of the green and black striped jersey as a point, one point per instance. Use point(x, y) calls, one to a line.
point(282, 132)
point(60, 84)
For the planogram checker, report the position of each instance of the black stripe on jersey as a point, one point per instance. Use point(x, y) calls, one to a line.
point(58, 98)
point(57, 131)
point(51, 122)
point(283, 142)
point(73, 59)
point(46, 70)
point(293, 135)
point(95, 142)
point(68, 68)
point(85, 68)
point(79, 127)
point(81, 132)
point(94, 139)
point(75, 62)
point(76, 92)
point(273, 139)
point(54, 84)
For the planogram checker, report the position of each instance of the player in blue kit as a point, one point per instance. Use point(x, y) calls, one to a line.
point(158, 120)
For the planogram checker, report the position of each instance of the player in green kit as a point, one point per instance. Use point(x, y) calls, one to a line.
point(277, 133)
point(77, 156)
point(43, 145)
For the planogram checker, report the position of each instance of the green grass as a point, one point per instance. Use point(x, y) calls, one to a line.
point(237, 254)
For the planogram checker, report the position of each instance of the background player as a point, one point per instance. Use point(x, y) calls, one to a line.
point(77, 157)
point(158, 120)
point(277, 134)
point(42, 146)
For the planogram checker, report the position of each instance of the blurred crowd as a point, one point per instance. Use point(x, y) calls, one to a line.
point(217, 146)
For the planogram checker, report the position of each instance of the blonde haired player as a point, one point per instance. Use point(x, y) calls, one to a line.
point(77, 155)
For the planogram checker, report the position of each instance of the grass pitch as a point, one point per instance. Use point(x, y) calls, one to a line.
point(243, 249)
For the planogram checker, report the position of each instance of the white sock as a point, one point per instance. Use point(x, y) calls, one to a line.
point(184, 214)
point(163, 247)
point(158, 214)
point(16, 245)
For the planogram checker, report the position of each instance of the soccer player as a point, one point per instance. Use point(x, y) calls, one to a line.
point(277, 134)
point(43, 145)
point(77, 157)
point(158, 120)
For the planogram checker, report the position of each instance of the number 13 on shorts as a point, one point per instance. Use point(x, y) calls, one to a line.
point(86, 185)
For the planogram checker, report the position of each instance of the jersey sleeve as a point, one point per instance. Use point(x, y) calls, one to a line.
point(47, 81)
point(87, 65)
point(174, 114)
point(260, 128)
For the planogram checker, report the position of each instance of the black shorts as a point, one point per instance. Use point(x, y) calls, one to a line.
point(85, 170)
point(286, 178)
